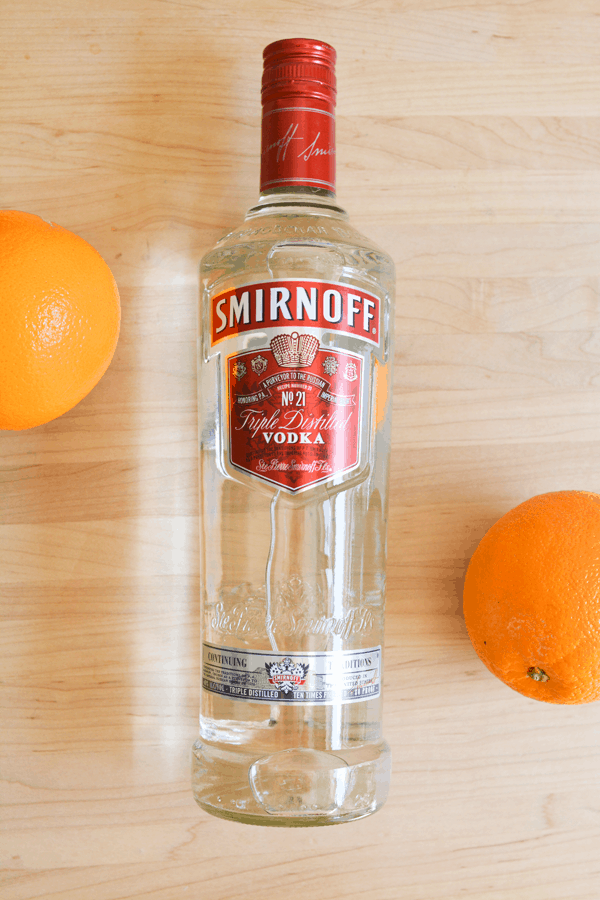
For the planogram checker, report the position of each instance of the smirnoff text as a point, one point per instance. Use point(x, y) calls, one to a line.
point(296, 304)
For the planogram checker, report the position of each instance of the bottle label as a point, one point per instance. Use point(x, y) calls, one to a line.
point(294, 411)
point(298, 148)
point(294, 406)
point(296, 304)
point(344, 676)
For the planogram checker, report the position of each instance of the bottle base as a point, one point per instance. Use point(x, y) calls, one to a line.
point(293, 788)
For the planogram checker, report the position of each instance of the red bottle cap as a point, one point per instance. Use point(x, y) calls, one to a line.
point(299, 67)
point(298, 96)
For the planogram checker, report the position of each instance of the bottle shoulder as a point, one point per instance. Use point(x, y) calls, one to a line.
point(298, 240)
point(296, 222)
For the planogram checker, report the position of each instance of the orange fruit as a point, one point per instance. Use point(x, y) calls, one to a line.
point(532, 597)
point(59, 319)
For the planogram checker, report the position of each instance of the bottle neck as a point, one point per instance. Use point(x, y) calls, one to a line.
point(297, 200)
point(298, 146)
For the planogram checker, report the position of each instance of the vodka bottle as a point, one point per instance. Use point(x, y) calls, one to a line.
point(295, 355)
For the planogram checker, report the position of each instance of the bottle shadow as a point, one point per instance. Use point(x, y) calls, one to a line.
point(99, 508)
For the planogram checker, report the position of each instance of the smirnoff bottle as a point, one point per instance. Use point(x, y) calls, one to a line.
point(295, 360)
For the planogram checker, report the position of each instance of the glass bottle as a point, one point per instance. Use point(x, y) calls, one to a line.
point(295, 359)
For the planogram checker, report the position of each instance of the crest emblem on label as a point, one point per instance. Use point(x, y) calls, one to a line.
point(259, 365)
point(294, 351)
point(295, 420)
point(287, 675)
point(239, 370)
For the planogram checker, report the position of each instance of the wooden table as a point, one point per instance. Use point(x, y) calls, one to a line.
point(469, 147)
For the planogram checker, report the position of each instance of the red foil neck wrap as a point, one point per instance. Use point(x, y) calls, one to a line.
point(298, 125)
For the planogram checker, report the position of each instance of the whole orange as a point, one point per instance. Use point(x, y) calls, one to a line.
point(59, 319)
point(532, 597)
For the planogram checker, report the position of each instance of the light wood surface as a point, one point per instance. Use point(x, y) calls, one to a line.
point(468, 147)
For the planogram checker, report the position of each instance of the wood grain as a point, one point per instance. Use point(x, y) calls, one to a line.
point(469, 147)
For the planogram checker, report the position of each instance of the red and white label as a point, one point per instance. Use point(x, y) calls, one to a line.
point(298, 148)
point(296, 304)
point(294, 411)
